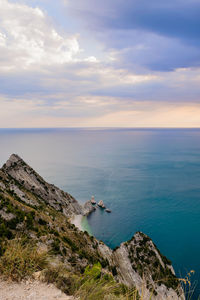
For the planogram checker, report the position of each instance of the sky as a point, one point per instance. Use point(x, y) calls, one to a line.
point(91, 63)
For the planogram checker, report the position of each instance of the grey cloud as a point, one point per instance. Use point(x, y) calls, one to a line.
point(168, 30)
point(176, 18)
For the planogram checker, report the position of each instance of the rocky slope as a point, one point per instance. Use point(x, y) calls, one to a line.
point(139, 261)
point(42, 212)
point(33, 182)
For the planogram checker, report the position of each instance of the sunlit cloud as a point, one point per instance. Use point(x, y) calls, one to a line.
point(152, 115)
point(27, 37)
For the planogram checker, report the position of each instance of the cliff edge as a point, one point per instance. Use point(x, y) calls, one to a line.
point(42, 212)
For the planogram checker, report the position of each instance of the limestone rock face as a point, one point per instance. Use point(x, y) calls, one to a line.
point(139, 263)
point(5, 215)
point(50, 194)
point(88, 208)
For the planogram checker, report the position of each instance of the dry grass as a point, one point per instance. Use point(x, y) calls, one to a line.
point(88, 286)
point(21, 260)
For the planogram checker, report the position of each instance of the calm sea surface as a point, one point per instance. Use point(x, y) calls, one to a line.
point(149, 178)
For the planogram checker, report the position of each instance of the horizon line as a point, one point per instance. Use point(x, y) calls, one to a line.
point(95, 127)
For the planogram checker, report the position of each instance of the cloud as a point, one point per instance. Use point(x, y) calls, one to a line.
point(151, 115)
point(180, 86)
point(141, 51)
point(174, 18)
point(135, 114)
point(141, 79)
point(28, 38)
point(153, 35)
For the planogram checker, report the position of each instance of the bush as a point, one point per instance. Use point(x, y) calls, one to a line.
point(56, 246)
point(95, 285)
point(5, 232)
point(42, 222)
point(114, 271)
point(70, 243)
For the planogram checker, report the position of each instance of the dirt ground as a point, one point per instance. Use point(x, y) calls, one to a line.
point(30, 290)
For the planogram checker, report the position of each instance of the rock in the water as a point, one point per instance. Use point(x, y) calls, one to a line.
point(108, 210)
point(93, 200)
point(101, 204)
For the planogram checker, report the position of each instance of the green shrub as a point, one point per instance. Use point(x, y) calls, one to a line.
point(114, 271)
point(5, 232)
point(95, 285)
point(70, 243)
point(29, 220)
point(56, 246)
point(42, 222)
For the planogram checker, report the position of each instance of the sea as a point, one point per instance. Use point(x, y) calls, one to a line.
point(149, 178)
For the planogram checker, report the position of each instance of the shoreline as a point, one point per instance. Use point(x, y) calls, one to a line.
point(81, 223)
point(77, 220)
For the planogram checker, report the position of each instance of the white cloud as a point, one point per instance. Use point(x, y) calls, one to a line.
point(109, 76)
point(28, 37)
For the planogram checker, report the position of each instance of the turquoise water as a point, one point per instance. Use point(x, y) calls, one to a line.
point(149, 178)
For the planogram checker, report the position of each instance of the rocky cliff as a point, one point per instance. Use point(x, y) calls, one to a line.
point(24, 175)
point(140, 262)
point(42, 212)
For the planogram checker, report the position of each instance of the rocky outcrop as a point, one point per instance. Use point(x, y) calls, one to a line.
point(101, 204)
point(138, 263)
point(32, 181)
point(6, 215)
point(88, 208)
point(93, 201)
point(29, 203)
